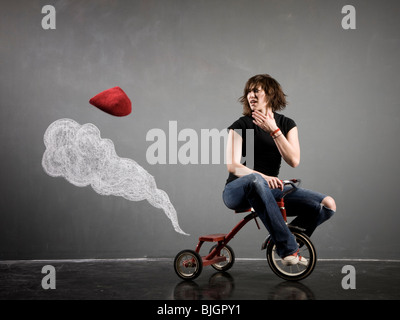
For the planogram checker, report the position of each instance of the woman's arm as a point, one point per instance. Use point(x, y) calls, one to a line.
point(234, 155)
point(289, 147)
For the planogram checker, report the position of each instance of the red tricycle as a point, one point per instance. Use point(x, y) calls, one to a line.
point(188, 264)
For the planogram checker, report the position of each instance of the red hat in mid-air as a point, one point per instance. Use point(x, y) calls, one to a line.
point(113, 101)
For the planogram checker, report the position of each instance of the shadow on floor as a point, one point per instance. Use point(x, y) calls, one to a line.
point(156, 280)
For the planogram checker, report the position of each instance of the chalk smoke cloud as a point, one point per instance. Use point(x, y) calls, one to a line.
point(78, 153)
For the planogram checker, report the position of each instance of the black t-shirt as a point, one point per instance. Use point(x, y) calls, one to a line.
point(267, 158)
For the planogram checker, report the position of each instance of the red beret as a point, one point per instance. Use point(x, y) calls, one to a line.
point(113, 101)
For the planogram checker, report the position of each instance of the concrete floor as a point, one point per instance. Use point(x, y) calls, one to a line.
point(155, 279)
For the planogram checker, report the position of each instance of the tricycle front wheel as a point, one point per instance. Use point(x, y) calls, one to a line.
point(296, 272)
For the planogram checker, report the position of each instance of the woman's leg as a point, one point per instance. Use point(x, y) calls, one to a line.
point(253, 191)
point(310, 208)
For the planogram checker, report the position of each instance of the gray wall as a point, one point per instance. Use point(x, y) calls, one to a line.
point(188, 61)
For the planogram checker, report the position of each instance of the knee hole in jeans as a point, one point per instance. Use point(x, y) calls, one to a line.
point(329, 203)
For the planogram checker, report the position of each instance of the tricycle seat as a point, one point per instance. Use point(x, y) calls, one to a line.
point(244, 210)
point(213, 237)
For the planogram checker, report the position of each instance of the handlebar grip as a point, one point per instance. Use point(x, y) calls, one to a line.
point(295, 183)
point(292, 181)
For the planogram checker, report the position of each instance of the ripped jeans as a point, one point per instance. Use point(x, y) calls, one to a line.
point(253, 191)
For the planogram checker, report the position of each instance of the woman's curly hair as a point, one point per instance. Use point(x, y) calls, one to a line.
point(277, 98)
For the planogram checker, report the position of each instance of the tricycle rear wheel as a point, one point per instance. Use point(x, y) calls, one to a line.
point(188, 264)
point(227, 252)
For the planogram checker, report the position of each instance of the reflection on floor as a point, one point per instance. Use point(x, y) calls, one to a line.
point(155, 279)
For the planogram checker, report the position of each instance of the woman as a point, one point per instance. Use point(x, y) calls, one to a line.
point(275, 137)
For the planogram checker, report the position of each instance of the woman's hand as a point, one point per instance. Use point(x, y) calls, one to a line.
point(266, 122)
point(273, 182)
point(289, 146)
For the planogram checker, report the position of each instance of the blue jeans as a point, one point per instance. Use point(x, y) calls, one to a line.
point(253, 191)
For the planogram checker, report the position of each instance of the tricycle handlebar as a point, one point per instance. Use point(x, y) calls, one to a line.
point(295, 183)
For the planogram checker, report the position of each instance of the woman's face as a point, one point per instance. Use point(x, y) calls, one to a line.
point(257, 99)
